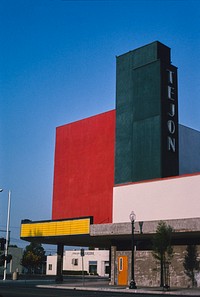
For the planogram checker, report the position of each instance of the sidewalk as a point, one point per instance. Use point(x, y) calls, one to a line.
point(105, 287)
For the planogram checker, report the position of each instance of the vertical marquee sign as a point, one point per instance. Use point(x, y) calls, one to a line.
point(169, 97)
point(146, 115)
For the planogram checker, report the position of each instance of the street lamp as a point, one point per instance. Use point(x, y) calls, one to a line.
point(7, 234)
point(132, 285)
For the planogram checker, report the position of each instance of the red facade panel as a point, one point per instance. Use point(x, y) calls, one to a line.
point(84, 169)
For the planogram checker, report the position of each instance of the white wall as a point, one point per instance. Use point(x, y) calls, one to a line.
point(171, 198)
point(101, 256)
point(51, 261)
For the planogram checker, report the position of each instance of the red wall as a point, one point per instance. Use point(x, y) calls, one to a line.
point(84, 169)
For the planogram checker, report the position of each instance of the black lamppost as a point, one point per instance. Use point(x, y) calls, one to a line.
point(132, 283)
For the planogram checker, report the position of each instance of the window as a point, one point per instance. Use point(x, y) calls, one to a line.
point(107, 267)
point(75, 262)
point(120, 264)
point(93, 267)
point(50, 266)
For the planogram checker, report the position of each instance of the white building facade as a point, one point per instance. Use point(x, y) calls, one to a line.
point(94, 262)
point(161, 199)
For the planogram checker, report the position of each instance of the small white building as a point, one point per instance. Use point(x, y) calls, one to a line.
point(95, 262)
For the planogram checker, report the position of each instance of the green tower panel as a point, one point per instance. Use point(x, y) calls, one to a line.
point(143, 147)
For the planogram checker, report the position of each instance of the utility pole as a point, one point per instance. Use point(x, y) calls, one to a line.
point(7, 235)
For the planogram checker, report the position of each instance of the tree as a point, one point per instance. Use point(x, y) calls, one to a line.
point(191, 264)
point(33, 257)
point(162, 250)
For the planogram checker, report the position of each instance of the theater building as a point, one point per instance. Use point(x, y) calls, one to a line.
point(136, 157)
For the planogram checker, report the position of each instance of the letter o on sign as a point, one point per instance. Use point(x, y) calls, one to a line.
point(171, 126)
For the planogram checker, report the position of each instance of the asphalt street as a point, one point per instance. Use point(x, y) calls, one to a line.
point(12, 291)
point(42, 292)
point(74, 286)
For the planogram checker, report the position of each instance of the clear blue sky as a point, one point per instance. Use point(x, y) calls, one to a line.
point(57, 65)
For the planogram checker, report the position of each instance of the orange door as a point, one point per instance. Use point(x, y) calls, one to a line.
point(122, 270)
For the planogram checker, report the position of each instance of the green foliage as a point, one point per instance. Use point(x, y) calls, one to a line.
point(162, 249)
point(162, 241)
point(191, 264)
point(33, 257)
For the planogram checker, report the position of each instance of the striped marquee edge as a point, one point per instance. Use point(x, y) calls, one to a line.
point(55, 228)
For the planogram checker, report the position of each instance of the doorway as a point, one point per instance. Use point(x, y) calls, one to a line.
point(122, 270)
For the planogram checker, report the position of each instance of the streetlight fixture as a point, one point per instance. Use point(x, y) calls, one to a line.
point(132, 285)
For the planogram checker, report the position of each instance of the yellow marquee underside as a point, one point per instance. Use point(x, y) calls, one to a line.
point(55, 228)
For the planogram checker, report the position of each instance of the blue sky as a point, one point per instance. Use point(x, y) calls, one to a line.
point(57, 65)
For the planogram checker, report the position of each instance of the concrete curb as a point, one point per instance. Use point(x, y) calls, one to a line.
point(177, 292)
